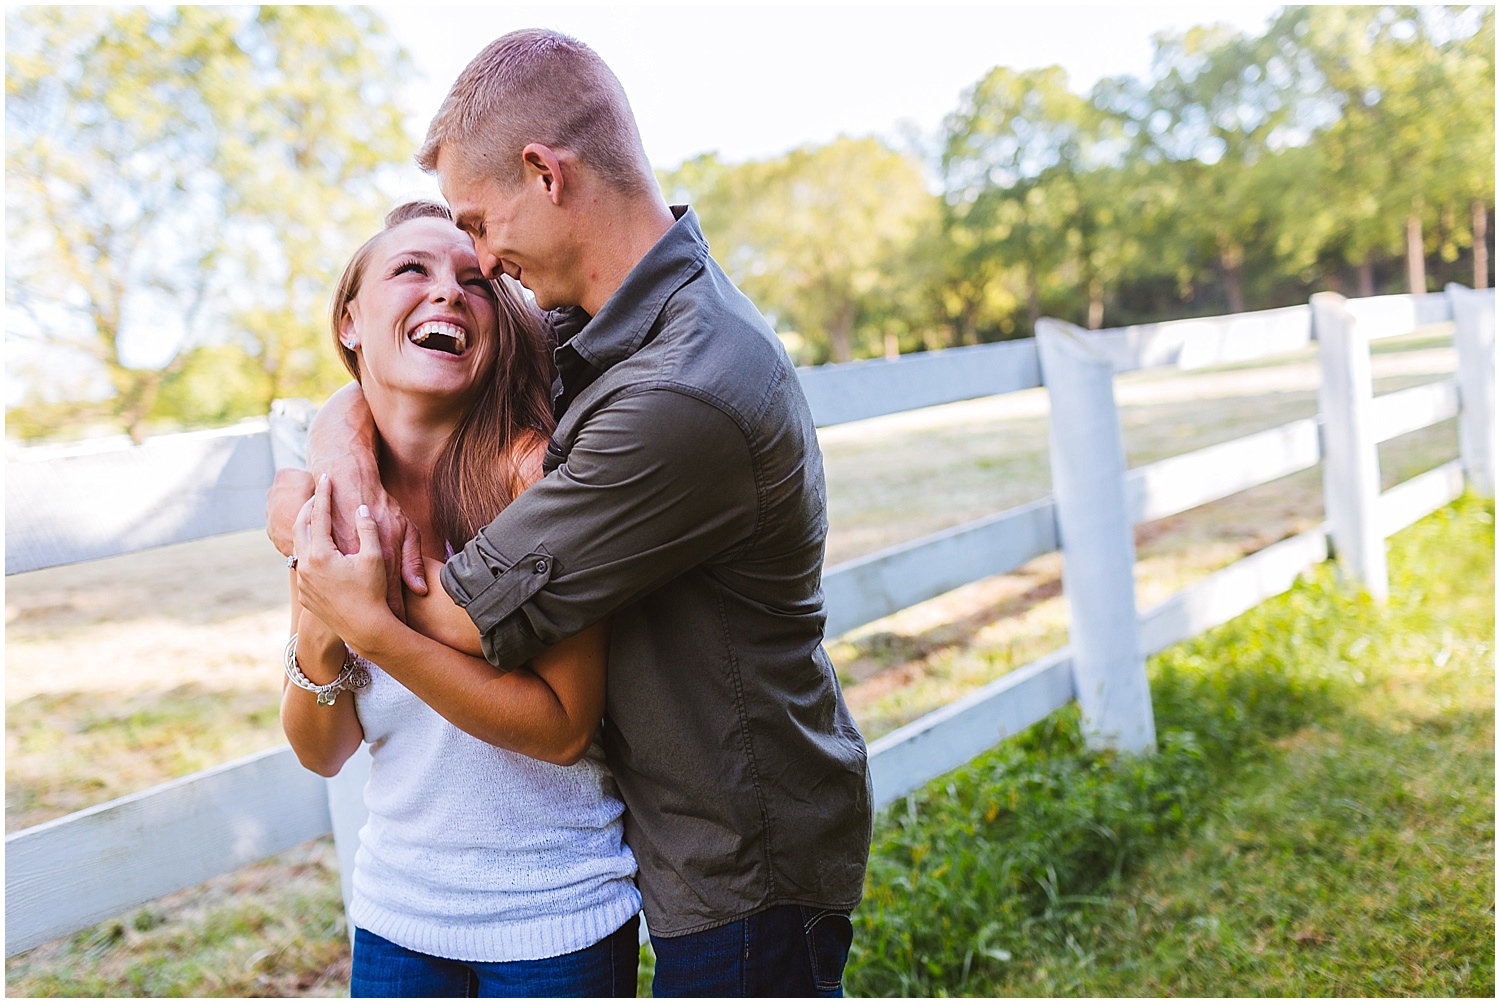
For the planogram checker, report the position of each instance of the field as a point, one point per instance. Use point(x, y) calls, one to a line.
point(125, 672)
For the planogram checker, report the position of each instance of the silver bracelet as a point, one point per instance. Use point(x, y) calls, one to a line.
point(352, 676)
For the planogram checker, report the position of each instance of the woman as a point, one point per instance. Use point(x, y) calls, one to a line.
point(481, 870)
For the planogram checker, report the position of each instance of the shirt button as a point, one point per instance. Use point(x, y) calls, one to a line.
point(540, 567)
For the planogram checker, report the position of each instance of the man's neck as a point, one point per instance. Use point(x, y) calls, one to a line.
point(621, 231)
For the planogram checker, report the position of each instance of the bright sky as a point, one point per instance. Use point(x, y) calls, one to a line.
point(755, 82)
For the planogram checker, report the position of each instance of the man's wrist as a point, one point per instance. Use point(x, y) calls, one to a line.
point(343, 429)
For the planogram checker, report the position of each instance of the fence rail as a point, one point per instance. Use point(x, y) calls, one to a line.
point(68, 873)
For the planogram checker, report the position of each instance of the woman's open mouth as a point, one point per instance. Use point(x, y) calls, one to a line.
point(439, 336)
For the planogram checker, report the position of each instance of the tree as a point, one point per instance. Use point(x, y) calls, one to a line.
point(1467, 174)
point(1413, 129)
point(1221, 106)
point(1018, 161)
point(818, 238)
point(178, 177)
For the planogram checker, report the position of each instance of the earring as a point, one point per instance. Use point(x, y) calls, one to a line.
point(352, 344)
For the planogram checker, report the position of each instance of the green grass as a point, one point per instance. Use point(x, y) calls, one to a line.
point(275, 929)
point(1318, 819)
point(62, 750)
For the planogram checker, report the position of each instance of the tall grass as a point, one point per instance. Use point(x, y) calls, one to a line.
point(1018, 873)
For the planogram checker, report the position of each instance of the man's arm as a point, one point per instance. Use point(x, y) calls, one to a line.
point(548, 709)
point(341, 444)
point(655, 483)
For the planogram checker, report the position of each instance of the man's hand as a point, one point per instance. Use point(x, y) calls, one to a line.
point(341, 445)
point(345, 591)
point(290, 490)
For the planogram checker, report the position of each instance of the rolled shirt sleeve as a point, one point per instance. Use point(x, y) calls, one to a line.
point(656, 481)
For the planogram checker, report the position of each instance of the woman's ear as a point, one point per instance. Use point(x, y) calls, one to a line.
point(349, 329)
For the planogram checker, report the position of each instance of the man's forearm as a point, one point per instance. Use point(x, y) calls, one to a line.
point(343, 432)
point(342, 444)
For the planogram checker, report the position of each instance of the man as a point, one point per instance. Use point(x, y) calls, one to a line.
point(684, 498)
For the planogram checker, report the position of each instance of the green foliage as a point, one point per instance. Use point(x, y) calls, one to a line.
point(1245, 172)
point(1001, 869)
point(814, 237)
point(190, 176)
point(194, 176)
point(1410, 135)
point(1019, 164)
point(214, 385)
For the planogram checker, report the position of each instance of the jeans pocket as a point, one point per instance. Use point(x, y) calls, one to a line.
point(829, 934)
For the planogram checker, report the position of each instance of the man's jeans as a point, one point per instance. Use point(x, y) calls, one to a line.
point(784, 951)
point(386, 970)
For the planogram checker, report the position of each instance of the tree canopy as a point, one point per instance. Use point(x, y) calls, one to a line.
point(180, 185)
point(1345, 148)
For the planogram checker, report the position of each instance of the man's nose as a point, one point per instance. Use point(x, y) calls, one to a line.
point(489, 264)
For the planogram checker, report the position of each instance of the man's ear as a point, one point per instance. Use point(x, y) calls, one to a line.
point(544, 167)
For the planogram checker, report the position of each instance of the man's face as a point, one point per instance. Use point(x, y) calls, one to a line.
point(515, 229)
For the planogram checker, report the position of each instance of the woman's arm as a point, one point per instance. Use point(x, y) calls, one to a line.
point(323, 737)
point(436, 616)
point(548, 709)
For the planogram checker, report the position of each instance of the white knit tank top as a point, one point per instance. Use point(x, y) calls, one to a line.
point(473, 853)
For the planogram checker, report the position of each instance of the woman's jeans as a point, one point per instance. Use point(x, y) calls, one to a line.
point(608, 968)
point(784, 951)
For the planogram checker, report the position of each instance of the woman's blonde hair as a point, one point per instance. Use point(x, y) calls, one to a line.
point(484, 465)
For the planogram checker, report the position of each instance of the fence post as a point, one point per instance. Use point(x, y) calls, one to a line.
point(289, 421)
point(1097, 540)
point(1351, 463)
point(1474, 338)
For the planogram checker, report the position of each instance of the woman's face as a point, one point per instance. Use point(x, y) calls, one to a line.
point(425, 319)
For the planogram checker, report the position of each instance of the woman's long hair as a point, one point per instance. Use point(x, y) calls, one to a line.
point(485, 463)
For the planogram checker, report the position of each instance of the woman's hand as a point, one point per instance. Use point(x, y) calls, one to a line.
point(345, 591)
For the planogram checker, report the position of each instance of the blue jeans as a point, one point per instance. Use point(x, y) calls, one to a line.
point(785, 951)
point(383, 969)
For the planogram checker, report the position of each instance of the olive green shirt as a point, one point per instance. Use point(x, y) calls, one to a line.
point(685, 498)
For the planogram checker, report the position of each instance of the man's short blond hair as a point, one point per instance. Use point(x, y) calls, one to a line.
point(537, 86)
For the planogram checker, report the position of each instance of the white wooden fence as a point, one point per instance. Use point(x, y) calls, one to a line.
point(63, 875)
